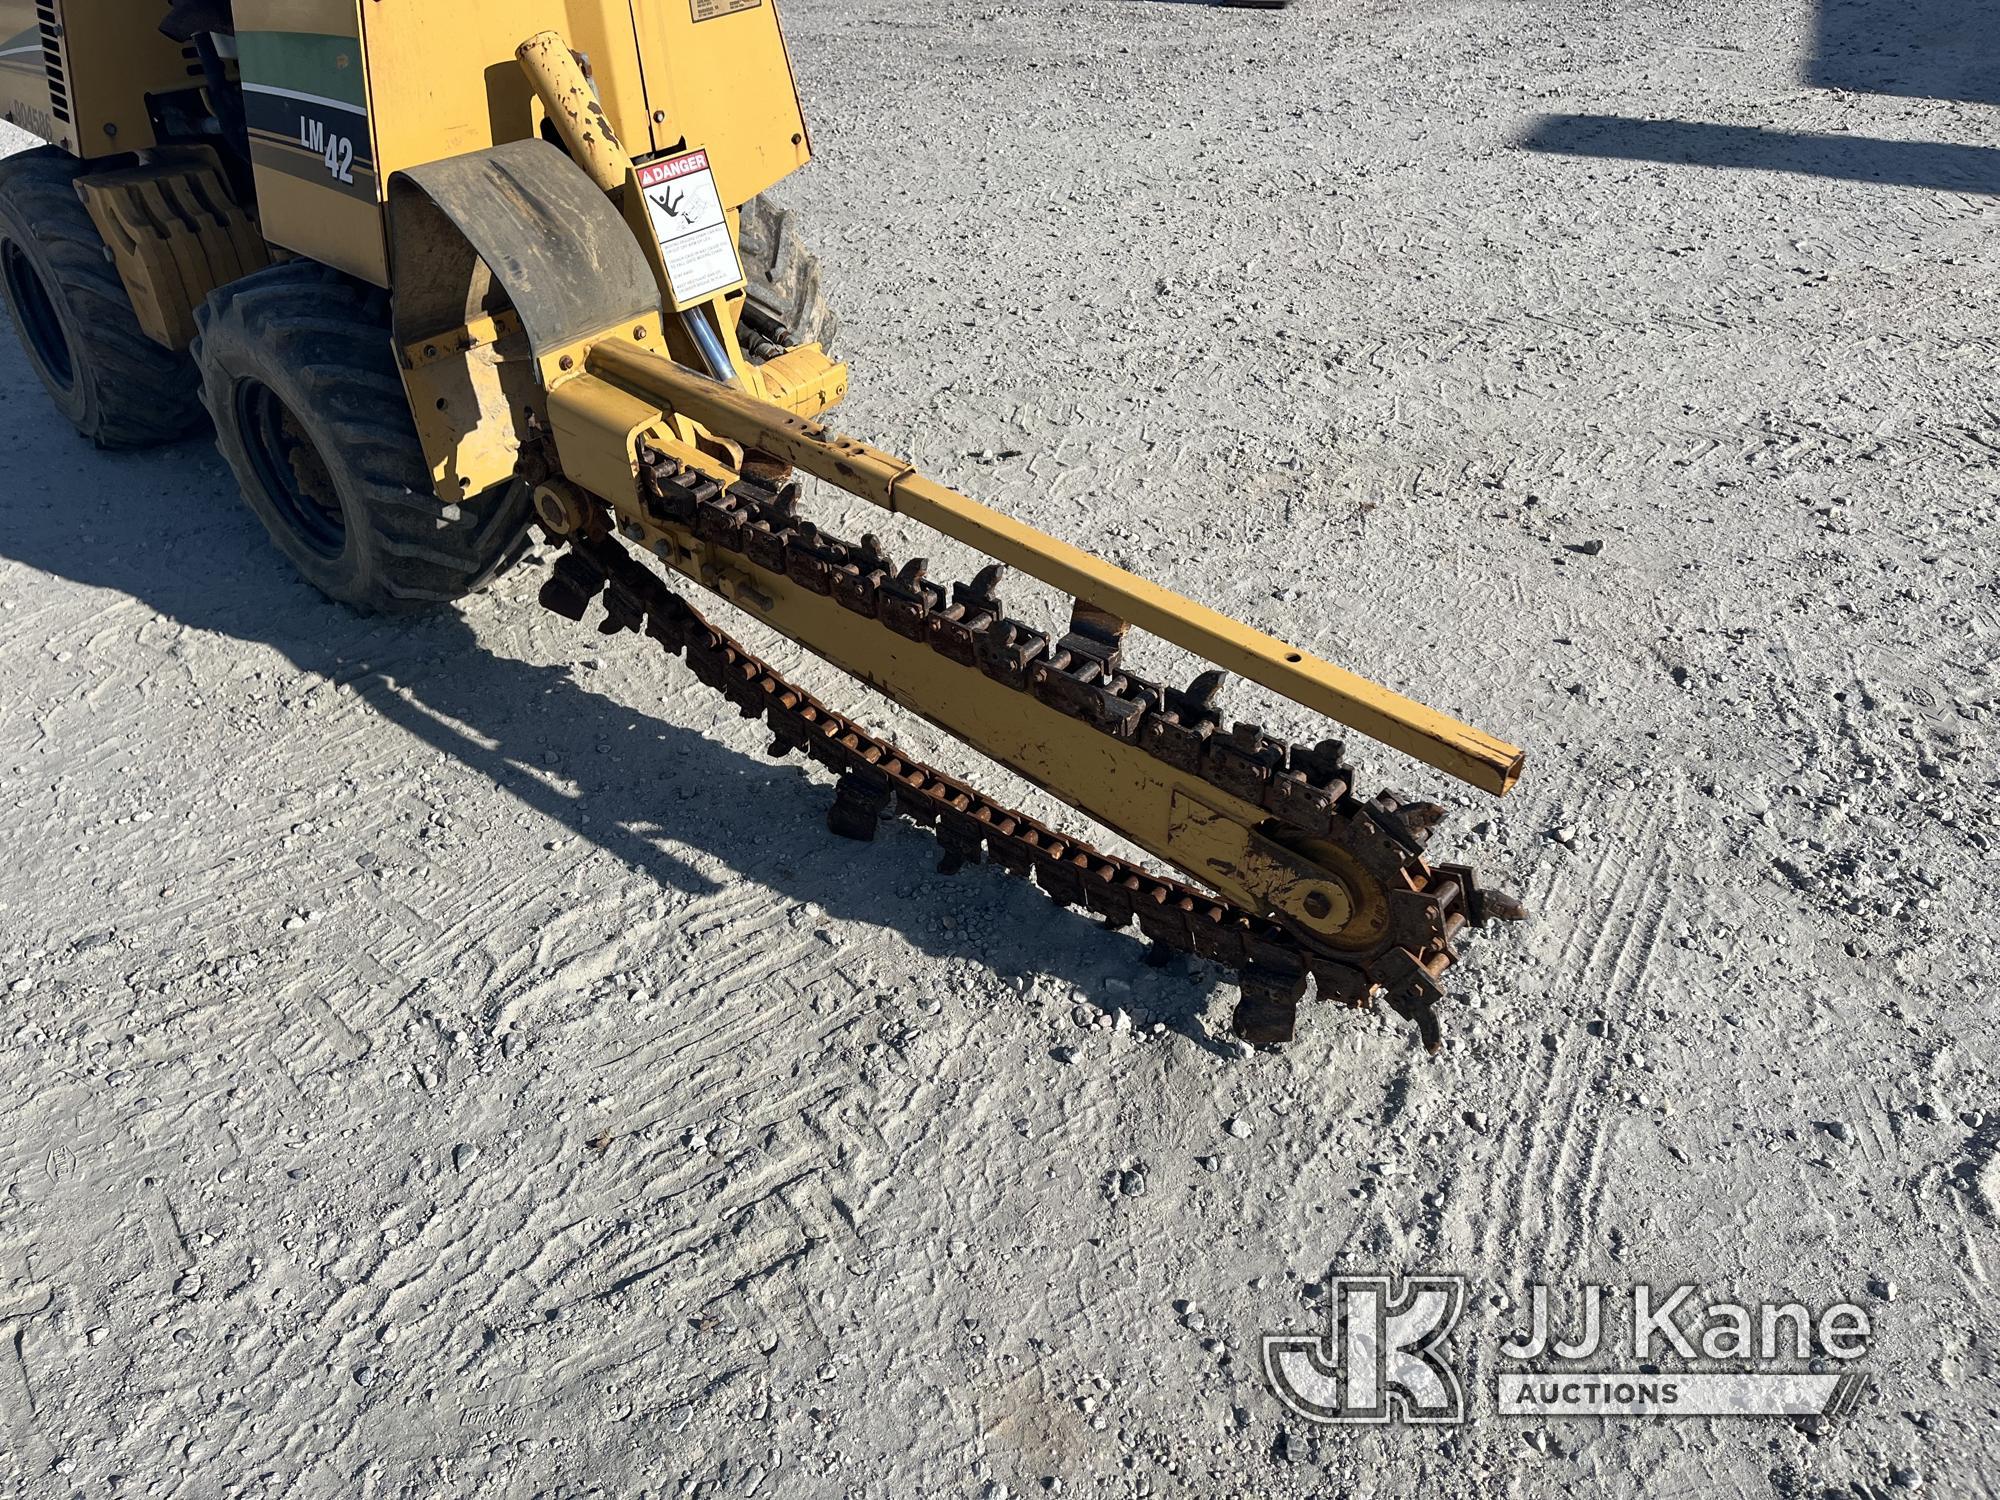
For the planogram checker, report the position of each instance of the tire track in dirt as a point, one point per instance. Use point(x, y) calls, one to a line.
point(692, 1209)
point(1620, 983)
point(1543, 1196)
point(597, 1267)
point(1548, 1083)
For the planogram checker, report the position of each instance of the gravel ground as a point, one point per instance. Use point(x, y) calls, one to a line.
point(448, 1060)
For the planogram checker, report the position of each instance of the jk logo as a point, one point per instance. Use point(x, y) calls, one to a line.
point(1377, 1359)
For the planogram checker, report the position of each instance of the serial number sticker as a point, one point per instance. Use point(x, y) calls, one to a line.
point(708, 10)
point(687, 218)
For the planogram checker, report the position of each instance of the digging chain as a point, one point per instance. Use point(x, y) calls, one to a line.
point(1306, 791)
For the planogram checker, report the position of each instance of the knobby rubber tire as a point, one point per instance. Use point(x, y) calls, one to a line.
point(783, 274)
point(120, 389)
point(306, 351)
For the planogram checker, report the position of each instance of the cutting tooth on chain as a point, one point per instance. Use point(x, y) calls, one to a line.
point(1422, 818)
point(1267, 1011)
point(1206, 690)
point(983, 592)
point(860, 798)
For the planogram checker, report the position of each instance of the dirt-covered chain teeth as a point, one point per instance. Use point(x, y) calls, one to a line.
point(1306, 790)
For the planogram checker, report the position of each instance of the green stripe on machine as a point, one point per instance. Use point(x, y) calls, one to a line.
point(325, 67)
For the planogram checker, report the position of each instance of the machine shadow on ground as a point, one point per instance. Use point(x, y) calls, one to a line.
point(1918, 49)
point(167, 529)
point(1925, 49)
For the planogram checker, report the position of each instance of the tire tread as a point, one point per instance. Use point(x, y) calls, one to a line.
point(145, 393)
point(326, 338)
point(784, 274)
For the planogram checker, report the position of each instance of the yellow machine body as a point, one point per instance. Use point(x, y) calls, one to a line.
point(341, 94)
point(78, 73)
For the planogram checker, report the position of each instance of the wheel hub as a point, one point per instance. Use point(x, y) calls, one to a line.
point(290, 469)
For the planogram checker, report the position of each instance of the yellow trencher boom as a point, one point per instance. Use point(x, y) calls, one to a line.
point(437, 273)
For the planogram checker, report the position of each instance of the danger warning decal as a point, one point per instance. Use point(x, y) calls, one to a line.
point(708, 10)
point(687, 218)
